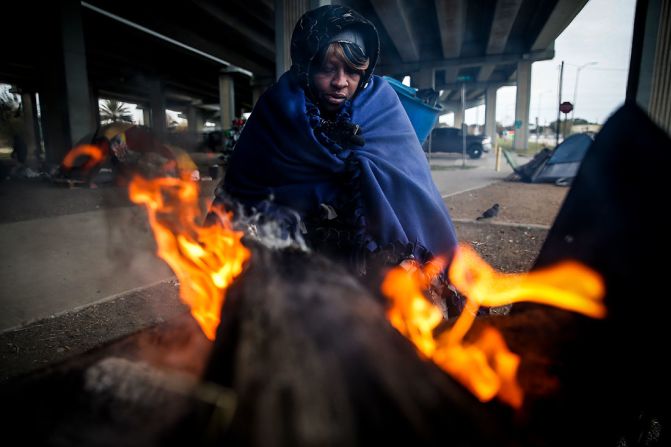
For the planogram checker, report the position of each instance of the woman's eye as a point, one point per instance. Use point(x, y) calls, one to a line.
point(328, 69)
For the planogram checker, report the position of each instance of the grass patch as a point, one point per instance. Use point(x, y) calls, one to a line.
point(450, 167)
point(532, 149)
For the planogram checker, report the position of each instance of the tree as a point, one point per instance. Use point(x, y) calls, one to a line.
point(112, 111)
point(10, 113)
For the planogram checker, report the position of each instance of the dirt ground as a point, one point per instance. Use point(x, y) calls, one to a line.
point(512, 239)
point(521, 203)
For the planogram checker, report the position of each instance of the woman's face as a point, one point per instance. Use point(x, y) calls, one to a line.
point(335, 83)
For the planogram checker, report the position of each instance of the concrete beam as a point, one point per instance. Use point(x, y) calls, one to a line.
point(475, 93)
point(248, 32)
point(502, 24)
point(497, 59)
point(451, 16)
point(451, 106)
point(474, 85)
point(425, 78)
point(562, 15)
point(522, 101)
point(451, 74)
point(396, 21)
point(504, 18)
point(486, 72)
point(189, 41)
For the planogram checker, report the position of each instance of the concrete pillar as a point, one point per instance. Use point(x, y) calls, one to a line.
point(30, 123)
point(458, 118)
point(95, 108)
point(522, 102)
point(226, 99)
point(65, 93)
point(146, 116)
point(157, 105)
point(425, 78)
point(287, 13)
point(649, 81)
point(191, 119)
point(490, 113)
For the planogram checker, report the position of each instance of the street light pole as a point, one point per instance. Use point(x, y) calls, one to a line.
point(575, 88)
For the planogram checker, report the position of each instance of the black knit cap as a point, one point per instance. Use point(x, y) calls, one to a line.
point(315, 29)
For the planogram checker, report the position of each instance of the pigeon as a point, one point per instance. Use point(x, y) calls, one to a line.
point(491, 212)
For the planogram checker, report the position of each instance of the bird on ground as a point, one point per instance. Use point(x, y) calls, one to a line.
point(491, 212)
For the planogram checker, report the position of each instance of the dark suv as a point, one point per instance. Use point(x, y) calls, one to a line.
point(448, 139)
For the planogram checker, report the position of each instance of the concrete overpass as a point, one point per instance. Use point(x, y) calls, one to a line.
point(207, 58)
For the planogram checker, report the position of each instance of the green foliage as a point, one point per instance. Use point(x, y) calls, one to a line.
point(112, 111)
point(11, 121)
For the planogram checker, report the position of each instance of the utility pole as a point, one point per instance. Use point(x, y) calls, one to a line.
point(463, 122)
point(561, 78)
point(575, 88)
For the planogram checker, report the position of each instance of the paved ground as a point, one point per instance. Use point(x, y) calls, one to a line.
point(454, 175)
point(68, 248)
point(64, 249)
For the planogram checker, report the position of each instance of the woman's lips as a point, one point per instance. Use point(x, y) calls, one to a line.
point(336, 99)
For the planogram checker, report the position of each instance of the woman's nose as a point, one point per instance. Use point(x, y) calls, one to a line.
point(339, 79)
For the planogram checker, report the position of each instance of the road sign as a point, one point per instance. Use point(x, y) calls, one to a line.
point(565, 107)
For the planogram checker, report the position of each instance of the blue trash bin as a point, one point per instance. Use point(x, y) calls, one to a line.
point(422, 116)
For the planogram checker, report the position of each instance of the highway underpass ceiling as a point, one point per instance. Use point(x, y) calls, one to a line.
point(479, 39)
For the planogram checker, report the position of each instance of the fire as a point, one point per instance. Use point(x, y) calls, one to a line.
point(485, 366)
point(94, 153)
point(206, 259)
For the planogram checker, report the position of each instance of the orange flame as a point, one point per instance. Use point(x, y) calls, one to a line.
point(485, 366)
point(206, 259)
point(94, 153)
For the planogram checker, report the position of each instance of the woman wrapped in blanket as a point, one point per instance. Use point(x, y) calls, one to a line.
point(332, 142)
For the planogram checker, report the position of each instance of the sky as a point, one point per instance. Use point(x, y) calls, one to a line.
point(601, 33)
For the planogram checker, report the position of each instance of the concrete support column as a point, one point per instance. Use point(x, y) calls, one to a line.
point(30, 123)
point(425, 78)
point(287, 13)
point(522, 102)
point(490, 113)
point(65, 93)
point(660, 81)
point(146, 116)
point(157, 105)
point(192, 119)
point(226, 99)
point(458, 118)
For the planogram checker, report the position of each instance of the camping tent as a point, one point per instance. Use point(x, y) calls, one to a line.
point(565, 159)
point(559, 165)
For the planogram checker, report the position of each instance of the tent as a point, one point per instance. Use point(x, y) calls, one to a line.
point(559, 165)
point(565, 159)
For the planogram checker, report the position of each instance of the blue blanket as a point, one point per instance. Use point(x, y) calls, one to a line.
point(281, 154)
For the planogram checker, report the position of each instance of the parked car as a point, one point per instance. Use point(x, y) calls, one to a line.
point(449, 139)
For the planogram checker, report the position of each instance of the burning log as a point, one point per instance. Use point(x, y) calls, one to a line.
point(315, 362)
